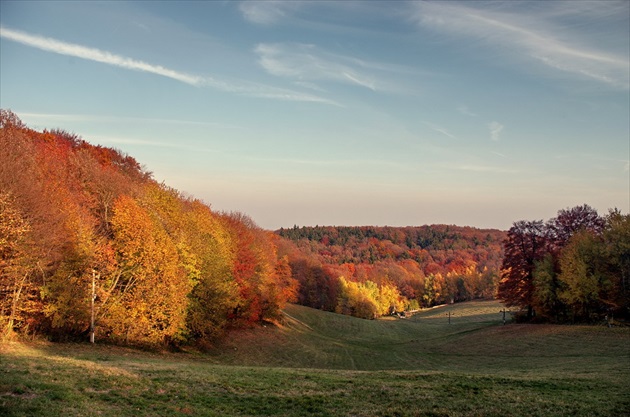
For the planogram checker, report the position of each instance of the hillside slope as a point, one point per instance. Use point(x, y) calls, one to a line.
point(475, 341)
point(416, 367)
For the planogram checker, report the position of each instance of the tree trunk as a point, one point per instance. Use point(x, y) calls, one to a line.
point(16, 297)
point(92, 308)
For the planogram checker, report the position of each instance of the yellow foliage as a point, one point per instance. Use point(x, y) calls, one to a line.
point(152, 294)
point(368, 300)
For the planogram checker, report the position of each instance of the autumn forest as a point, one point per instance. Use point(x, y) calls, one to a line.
point(92, 246)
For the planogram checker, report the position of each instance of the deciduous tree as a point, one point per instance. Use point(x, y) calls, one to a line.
point(583, 282)
point(526, 244)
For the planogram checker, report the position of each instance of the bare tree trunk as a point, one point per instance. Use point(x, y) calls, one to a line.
point(16, 297)
point(92, 307)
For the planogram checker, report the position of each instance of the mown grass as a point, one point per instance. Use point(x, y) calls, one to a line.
point(323, 364)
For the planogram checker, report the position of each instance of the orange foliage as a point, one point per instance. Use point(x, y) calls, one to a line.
point(164, 268)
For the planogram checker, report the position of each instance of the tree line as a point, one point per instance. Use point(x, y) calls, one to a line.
point(87, 236)
point(372, 271)
point(573, 268)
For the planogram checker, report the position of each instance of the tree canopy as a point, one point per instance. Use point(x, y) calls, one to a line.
point(85, 231)
point(574, 267)
point(349, 269)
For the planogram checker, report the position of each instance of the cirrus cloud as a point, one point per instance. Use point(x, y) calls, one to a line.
point(266, 12)
point(308, 62)
point(495, 130)
point(241, 87)
point(541, 35)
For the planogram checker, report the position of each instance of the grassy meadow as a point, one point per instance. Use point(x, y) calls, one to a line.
point(323, 364)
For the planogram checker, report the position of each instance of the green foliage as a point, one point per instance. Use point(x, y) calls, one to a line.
point(580, 276)
point(214, 294)
point(546, 288)
point(616, 263)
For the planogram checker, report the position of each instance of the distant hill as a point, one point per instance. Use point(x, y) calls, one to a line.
point(425, 265)
point(370, 244)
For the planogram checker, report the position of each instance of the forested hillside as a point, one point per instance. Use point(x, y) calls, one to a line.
point(372, 271)
point(88, 238)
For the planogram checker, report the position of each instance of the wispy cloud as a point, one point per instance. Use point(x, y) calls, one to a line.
point(463, 109)
point(601, 161)
point(439, 129)
point(134, 141)
point(495, 130)
point(486, 168)
point(308, 62)
point(130, 141)
point(309, 85)
point(59, 117)
point(92, 54)
point(538, 34)
point(333, 162)
point(307, 65)
point(267, 12)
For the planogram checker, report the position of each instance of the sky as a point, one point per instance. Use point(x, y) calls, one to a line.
point(398, 113)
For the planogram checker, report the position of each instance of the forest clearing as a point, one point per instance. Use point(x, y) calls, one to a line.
point(325, 364)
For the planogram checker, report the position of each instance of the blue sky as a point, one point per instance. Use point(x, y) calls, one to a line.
point(341, 113)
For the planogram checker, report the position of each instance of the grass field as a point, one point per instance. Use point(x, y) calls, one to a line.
point(323, 364)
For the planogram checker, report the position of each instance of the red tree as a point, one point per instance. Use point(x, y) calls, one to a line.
point(526, 244)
